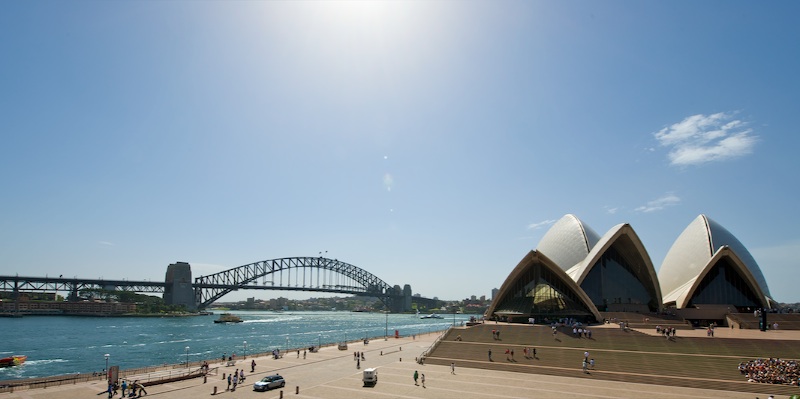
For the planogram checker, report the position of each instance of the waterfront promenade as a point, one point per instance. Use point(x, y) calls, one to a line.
point(332, 374)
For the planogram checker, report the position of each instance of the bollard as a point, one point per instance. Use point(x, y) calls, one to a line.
point(215, 391)
point(223, 376)
point(205, 377)
point(281, 396)
point(381, 353)
point(297, 390)
point(401, 359)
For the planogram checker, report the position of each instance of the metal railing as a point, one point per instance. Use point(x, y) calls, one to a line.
point(426, 352)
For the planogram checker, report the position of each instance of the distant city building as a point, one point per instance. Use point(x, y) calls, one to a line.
point(72, 308)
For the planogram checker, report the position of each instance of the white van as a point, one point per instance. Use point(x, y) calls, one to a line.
point(370, 377)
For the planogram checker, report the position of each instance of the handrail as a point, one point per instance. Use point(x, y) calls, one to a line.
point(426, 352)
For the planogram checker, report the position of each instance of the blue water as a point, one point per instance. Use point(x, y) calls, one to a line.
point(58, 345)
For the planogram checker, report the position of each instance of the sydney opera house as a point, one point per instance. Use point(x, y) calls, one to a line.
point(574, 272)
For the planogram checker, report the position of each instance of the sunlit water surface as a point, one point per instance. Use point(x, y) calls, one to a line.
point(58, 345)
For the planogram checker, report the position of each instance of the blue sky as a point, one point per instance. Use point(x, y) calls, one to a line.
point(430, 143)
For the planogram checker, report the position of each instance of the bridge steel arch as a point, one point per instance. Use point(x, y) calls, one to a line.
point(298, 273)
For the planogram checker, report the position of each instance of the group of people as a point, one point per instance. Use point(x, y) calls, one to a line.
point(134, 390)
point(358, 357)
point(581, 332)
point(234, 379)
point(771, 371)
point(587, 363)
point(417, 376)
point(530, 353)
point(668, 332)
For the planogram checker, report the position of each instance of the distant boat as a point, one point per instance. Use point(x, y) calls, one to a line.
point(15, 360)
point(432, 316)
point(228, 318)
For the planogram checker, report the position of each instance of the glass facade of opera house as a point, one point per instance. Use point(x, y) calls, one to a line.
point(576, 273)
point(539, 291)
point(614, 281)
point(722, 285)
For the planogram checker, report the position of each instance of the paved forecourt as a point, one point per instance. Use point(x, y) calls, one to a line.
point(332, 374)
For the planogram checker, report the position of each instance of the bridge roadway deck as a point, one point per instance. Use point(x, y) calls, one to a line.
point(332, 374)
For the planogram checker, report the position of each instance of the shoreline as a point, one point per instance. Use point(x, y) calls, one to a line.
point(333, 374)
point(42, 314)
point(62, 379)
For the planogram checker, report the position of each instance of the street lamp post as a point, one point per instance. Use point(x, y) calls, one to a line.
point(386, 329)
point(287, 344)
point(245, 349)
point(187, 357)
point(107, 356)
point(319, 340)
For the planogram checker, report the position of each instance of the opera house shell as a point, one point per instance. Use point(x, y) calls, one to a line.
point(568, 241)
point(576, 273)
point(708, 265)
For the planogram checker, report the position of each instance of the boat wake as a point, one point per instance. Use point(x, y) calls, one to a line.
point(44, 361)
point(275, 320)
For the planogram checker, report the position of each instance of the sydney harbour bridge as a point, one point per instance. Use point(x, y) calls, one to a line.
point(317, 274)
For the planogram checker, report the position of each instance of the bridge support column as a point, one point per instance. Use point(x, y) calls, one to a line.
point(178, 288)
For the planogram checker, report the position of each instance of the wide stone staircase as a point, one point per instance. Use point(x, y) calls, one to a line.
point(786, 321)
point(620, 355)
point(647, 320)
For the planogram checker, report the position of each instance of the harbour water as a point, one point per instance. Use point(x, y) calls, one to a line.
point(60, 345)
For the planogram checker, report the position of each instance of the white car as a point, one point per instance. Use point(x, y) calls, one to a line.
point(269, 382)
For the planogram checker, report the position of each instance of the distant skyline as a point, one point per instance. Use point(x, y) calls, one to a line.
point(429, 143)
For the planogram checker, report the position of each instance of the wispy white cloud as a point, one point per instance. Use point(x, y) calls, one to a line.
point(705, 138)
point(659, 204)
point(106, 243)
point(611, 211)
point(535, 226)
point(388, 181)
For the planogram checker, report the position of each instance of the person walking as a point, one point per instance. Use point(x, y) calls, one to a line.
point(140, 386)
point(490, 355)
point(422, 379)
point(253, 366)
point(534, 353)
point(452, 368)
point(124, 387)
point(230, 379)
point(235, 381)
point(416, 376)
